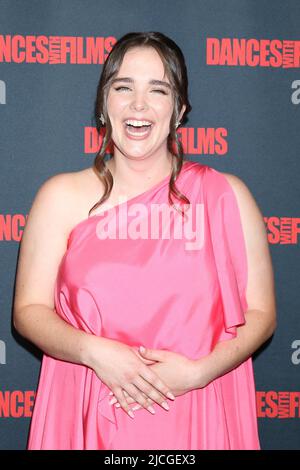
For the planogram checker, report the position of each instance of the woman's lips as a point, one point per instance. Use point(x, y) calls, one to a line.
point(135, 133)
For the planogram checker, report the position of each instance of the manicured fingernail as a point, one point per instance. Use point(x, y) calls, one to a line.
point(165, 405)
point(170, 395)
point(118, 405)
point(136, 407)
point(151, 409)
point(112, 401)
point(110, 393)
point(131, 414)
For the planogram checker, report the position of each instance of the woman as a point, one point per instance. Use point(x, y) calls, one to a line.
point(200, 308)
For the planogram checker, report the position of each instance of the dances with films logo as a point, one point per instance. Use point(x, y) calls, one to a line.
point(253, 52)
point(42, 49)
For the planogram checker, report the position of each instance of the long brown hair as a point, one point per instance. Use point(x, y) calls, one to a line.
point(175, 69)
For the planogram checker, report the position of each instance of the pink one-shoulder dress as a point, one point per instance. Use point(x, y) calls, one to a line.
point(163, 292)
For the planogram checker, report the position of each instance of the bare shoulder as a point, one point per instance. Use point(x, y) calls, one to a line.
point(237, 184)
point(60, 202)
point(67, 184)
point(55, 199)
point(253, 224)
point(44, 241)
point(66, 197)
point(252, 220)
point(245, 199)
point(88, 184)
point(61, 184)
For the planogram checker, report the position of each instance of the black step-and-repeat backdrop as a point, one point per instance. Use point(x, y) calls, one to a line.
point(243, 59)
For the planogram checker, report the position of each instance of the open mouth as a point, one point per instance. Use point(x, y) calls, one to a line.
point(138, 128)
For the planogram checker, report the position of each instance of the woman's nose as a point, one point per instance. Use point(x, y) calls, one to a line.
point(138, 102)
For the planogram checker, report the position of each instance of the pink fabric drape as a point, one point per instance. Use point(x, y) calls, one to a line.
point(157, 293)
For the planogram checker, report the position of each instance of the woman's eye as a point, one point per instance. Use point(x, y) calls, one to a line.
point(126, 88)
point(161, 91)
point(122, 88)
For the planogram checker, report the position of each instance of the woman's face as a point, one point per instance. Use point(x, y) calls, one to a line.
point(140, 111)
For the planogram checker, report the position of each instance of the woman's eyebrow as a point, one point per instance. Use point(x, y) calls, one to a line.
point(151, 82)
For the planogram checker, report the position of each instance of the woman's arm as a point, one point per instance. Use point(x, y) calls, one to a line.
point(260, 294)
point(42, 247)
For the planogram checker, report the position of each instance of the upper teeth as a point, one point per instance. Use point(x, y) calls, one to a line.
point(138, 123)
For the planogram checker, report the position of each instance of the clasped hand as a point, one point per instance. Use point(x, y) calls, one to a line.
point(175, 370)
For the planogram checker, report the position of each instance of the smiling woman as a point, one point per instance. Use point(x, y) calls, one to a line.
point(142, 109)
point(143, 83)
point(200, 310)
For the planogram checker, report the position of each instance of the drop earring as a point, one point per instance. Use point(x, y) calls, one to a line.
point(101, 117)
